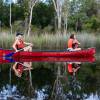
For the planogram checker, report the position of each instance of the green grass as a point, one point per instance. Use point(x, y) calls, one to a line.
point(52, 41)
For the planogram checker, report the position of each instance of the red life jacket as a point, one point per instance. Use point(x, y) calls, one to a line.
point(20, 45)
point(70, 68)
point(70, 43)
point(20, 68)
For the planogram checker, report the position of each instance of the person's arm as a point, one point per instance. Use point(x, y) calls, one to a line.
point(28, 43)
point(76, 41)
point(15, 70)
point(14, 66)
point(76, 69)
point(27, 64)
point(14, 45)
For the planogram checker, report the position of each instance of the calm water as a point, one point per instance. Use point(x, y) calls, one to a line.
point(51, 81)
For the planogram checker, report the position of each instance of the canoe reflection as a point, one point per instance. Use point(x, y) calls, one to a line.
point(46, 59)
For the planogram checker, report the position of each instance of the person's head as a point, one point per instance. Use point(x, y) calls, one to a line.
point(19, 35)
point(72, 36)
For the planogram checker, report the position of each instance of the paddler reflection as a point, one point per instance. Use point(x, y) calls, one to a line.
point(19, 68)
point(73, 67)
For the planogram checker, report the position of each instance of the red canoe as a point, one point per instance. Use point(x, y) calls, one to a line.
point(60, 53)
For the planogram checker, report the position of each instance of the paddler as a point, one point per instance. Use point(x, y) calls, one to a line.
point(20, 44)
point(73, 43)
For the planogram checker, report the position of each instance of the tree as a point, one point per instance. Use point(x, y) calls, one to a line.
point(58, 8)
point(65, 13)
point(46, 11)
point(10, 17)
point(31, 5)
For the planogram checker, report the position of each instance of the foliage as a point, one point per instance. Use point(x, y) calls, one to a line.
point(42, 15)
point(80, 13)
point(92, 23)
point(18, 26)
point(87, 12)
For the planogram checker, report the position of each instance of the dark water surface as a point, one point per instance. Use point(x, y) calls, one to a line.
point(51, 81)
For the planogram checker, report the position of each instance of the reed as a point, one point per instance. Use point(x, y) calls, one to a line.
point(52, 41)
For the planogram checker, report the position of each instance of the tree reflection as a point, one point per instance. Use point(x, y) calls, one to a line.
point(66, 85)
point(51, 81)
point(13, 92)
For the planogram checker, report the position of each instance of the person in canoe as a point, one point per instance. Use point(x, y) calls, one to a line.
point(20, 44)
point(73, 43)
point(19, 68)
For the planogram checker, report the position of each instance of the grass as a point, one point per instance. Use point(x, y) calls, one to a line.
point(52, 41)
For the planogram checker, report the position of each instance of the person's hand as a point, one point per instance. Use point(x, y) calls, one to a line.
point(31, 44)
point(17, 50)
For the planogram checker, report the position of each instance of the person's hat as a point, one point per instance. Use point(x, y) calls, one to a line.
point(18, 33)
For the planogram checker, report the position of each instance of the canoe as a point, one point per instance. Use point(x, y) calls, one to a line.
point(53, 53)
point(46, 59)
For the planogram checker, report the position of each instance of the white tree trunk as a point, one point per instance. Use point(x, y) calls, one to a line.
point(58, 9)
point(65, 13)
point(10, 18)
point(31, 5)
point(30, 20)
point(65, 25)
point(59, 22)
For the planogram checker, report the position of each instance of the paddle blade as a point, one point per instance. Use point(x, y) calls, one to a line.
point(9, 59)
point(10, 54)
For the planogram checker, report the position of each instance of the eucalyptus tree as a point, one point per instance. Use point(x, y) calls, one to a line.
point(65, 14)
point(58, 4)
point(10, 17)
point(28, 10)
point(31, 5)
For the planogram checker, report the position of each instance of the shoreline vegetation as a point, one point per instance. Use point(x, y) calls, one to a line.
point(47, 41)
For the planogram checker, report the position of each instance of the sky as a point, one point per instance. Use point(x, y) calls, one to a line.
point(10, 1)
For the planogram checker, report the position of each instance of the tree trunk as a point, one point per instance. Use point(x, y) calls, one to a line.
point(31, 5)
point(30, 20)
point(65, 25)
point(26, 25)
point(59, 22)
point(10, 18)
point(58, 9)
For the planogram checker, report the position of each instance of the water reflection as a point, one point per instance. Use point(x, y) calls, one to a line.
point(19, 68)
point(49, 81)
point(68, 86)
point(13, 92)
point(24, 84)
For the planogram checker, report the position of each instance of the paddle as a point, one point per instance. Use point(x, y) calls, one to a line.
point(11, 54)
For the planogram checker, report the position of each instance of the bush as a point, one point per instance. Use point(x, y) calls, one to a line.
point(18, 26)
point(92, 23)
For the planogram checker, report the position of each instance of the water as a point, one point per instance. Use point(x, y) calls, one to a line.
point(50, 81)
